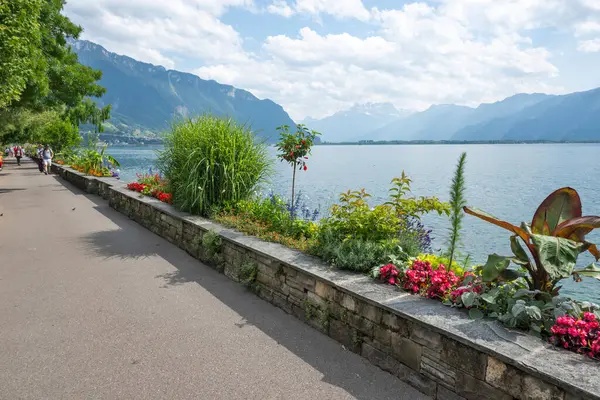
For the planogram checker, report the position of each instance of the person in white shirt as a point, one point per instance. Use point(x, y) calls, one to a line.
point(47, 155)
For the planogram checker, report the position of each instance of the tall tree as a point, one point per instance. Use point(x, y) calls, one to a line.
point(21, 59)
point(58, 83)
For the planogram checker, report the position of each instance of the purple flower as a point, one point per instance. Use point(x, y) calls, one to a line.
point(422, 234)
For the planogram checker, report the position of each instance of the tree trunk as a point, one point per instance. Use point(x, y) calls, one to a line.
point(293, 185)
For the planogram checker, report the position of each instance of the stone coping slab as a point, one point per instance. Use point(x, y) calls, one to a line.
point(567, 370)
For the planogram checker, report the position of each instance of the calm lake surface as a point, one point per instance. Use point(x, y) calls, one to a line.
point(508, 181)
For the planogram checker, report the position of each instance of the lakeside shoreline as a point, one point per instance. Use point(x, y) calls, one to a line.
point(452, 142)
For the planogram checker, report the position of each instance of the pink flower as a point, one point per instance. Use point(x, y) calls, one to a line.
point(589, 317)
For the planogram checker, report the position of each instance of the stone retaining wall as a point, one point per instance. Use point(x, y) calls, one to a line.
point(436, 349)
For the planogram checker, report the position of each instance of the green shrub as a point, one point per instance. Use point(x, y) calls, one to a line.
point(353, 254)
point(273, 213)
point(212, 244)
point(212, 161)
point(354, 218)
point(248, 273)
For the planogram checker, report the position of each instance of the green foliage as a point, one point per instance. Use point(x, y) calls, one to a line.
point(20, 48)
point(518, 307)
point(248, 273)
point(210, 162)
point(410, 243)
point(93, 162)
point(353, 217)
point(358, 237)
point(554, 239)
point(413, 207)
point(353, 254)
point(212, 243)
point(59, 134)
point(43, 76)
point(457, 202)
point(273, 213)
point(294, 149)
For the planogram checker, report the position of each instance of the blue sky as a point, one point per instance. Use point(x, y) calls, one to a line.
point(316, 57)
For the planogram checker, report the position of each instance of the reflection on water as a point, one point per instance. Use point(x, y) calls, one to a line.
point(508, 181)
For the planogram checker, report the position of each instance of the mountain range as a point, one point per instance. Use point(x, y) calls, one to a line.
point(355, 121)
point(570, 117)
point(146, 98)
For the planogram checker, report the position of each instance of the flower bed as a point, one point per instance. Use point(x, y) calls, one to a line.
point(563, 322)
point(520, 290)
point(89, 161)
point(468, 358)
point(152, 185)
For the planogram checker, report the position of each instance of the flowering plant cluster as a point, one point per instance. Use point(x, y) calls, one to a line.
point(581, 335)
point(389, 273)
point(421, 278)
point(105, 172)
point(151, 185)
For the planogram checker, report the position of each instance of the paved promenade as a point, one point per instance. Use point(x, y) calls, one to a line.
point(94, 306)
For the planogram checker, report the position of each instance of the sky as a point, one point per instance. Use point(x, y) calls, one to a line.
point(317, 57)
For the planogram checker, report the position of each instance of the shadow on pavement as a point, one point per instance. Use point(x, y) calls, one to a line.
point(339, 367)
point(10, 190)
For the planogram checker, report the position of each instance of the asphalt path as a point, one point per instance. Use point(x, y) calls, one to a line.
point(94, 306)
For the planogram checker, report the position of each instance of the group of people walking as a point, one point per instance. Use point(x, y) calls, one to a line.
point(44, 155)
point(16, 151)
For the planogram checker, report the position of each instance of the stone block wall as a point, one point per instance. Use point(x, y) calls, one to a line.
point(434, 348)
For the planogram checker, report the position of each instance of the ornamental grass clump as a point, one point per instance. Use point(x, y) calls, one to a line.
point(210, 161)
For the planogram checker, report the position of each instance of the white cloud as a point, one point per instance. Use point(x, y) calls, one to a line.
point(444, 51)
point(148, 30)
point(280, 7)
point(337, 8)
point(589, 46)
point(587, 28)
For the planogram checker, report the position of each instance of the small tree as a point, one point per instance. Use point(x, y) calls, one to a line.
point(294, 149)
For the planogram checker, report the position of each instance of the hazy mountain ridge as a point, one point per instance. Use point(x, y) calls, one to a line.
point(574, 116)
point(149, 97)
point(570, 117)
point(351, 124)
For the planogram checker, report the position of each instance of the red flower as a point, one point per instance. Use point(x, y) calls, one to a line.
point(388, 273)
point(580, 335)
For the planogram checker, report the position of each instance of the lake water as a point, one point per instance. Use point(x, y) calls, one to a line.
point(508, 181)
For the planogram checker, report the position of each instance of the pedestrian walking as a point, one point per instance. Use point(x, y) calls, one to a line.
point(47, 155)
point(18, 154)
point(40, 149)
